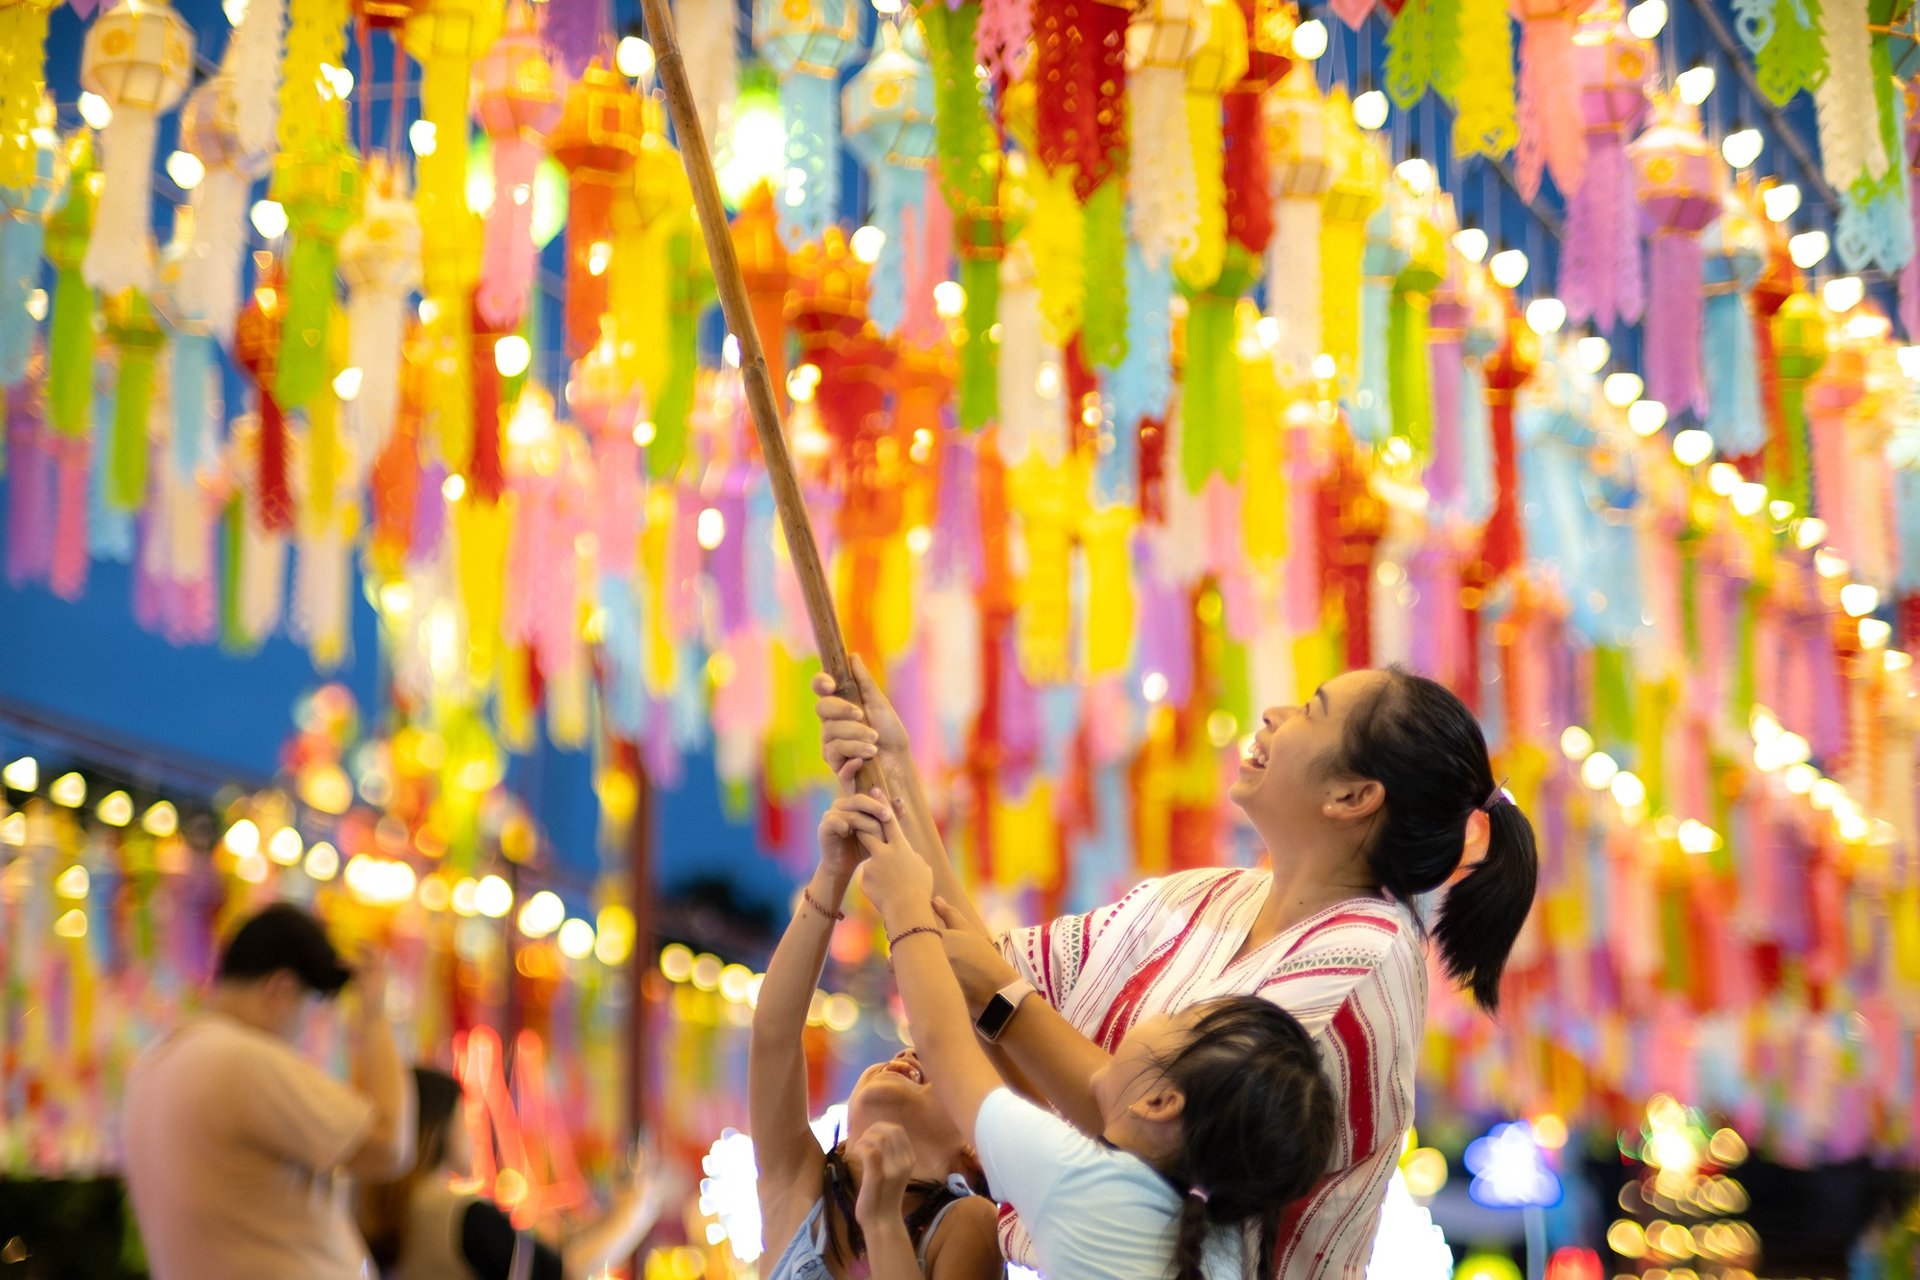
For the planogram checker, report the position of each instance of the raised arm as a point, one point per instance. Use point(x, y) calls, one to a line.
point(850, 737)
point(783, 1143)
point(900, 884)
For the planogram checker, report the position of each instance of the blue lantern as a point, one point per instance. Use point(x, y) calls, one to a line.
point(807, 42)
point(886, 112)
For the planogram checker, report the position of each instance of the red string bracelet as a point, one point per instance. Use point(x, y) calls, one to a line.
point(807, 896)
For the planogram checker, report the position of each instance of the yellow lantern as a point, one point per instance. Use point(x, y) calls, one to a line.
point(1358, 189)
point(1300, 156)
point(1217, 64)
point(23, 80)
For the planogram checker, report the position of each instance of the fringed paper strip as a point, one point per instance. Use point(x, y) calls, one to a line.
point(576, 30)
point(109, 526)
point(598, 140)
point(23, 83)
point(1411, 44)
point(206, 289)
point(252, 64)
point(1850, 143)
point(73, 504)
point(380, 262)
point(1601, 271)
point(1793, 57)
point(1105, 318)
point(1487, 123)
point(1056, 238)
point(136, 335)
point(1735, 253)
point(1678, 177)
point(1800, 349)
point(1410, 369)
point(709, 44)
point(70, 332)
point(1370, 404)
point(1552, 138)
point(31, 473)
point(518, 100)
point(1166, 202)
point(1143, 384)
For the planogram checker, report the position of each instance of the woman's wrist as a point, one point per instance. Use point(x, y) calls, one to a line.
point(826, 891)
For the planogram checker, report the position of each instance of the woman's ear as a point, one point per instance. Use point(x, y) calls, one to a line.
point(1353, 799)
point(1162, 1104)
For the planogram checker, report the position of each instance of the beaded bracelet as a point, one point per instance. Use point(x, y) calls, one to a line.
point(807, 896)
point(895, 939)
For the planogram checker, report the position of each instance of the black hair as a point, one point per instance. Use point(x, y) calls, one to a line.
point(384, 1206)
point(284, 936)
point(840, 1190)
point(1425, 749)
point(1259, 1119)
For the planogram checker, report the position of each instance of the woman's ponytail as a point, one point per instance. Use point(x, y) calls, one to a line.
point(1426, 750)
point(1485, 909)
point(1190, 1238)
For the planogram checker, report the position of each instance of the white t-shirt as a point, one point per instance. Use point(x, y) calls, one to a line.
point(1091, 1212)
point(233, 1142)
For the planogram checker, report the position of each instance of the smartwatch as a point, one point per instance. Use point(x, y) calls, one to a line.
point(1000, 1010)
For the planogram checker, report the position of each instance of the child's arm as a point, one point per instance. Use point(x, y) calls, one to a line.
point(884, 1157)
point(783, 1144)
point(901, 885)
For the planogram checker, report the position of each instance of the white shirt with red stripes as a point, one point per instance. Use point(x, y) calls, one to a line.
point(1354, 975)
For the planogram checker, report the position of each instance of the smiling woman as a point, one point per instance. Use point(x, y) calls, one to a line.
point(1366, 796)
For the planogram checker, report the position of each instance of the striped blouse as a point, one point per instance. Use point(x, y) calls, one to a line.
point(1354, 975)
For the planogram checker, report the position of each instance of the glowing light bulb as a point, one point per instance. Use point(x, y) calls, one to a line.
point(1695, 84)
point(1808, 249)
point(346, 383)
point(1692, 447)
point(1546, 315)
point(1416, 173)
point(1509, 268)
point(1592, 352)
point(1749, 498)
point(711, 528)
point(1647, 19)
point(1843, 293)
point(269, 218)
point(1472, 243)
point(185, 169)
point(1575, 743)
point(1310, 39)
point(511, 355)
point(576, 939)
point(1810, 533)
point(1859, 599)
point(1628, 791)
point(1646, 417)
point(1598, 771)
point(543, 913)
point(454, 487)
point(1742, 147)
point(1780, 202)
point(633, 57)
point(492, 897)
point(1370, 110)
point(21, 775)
point(95, 111)
point(867, 243)
point(1622, 389)
point(423, 137)
point(949, 299)
point(1875, 633)
point(115, 809)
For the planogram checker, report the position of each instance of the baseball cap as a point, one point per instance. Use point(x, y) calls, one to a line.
point(285, 937)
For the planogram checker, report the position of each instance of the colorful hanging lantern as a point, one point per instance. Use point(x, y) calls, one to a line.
point(23, 84)
point(319, 185)
point(1211, 425)
point(256, 348)
point(1678, 177)
point(1217, 64)
point(1164, 34)
point(1851, 149)
point(1600, 277)
point(139, 57)
point(807, 42)
point(1552, 138)
point(1269, 27)
point(23, 236)
point(70, 329)
point(1735, 250)
point(1370, 402)
point(598, 142)
point(518, 99)
point(253, 61)
point(763, 267)
point(1485, 123)
point(1409, 365)
point(446, 37)
point(1358, 189)
point(136, 336)
point(886, 114)
point(1799, 351)
point(210, 282)
point(1300, 154)
point(380, 261)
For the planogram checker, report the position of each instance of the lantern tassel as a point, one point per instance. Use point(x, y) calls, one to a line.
point(484, 475)
point(589, 231)
point(210, 279)
point(30, 488)
point(1166, 201)
point(507, 267)
point(120, 253)
point(896, 188)
point(253, 59)
point(811, 105)
point(979, 358)
point(1601, 278)
point(1552, 138)
point(1143, 384)
point(1734, 415)
point(1674, 323)
point(67, 568)
point(132, 407)
point(70, 354)
point(300, 373)
point(275, 497)
point(193, 369)
point(22, 241)
point(1103, 325)
point(1294, 283)
point(1202, 265)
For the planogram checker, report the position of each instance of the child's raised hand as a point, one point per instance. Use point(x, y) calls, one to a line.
point(895, 877)
point(883, 1156)
point(842, 828)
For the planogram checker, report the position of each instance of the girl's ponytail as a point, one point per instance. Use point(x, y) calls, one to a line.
point(1485, 908)
point(1190, 1238)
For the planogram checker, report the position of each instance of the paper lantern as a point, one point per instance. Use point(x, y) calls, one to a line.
point(23, 83)
point(597, 141)
point(1677, 175)
point(24, 206)
point(763, 268)
point(256, 349)
point(518, 97)
point(446, 37)
point(380, 262)
point(135, 334)
point(1552, 137)
point(1212, 423)
point(139, 57)
point(1799, 350)
point(209, 286)
point(1166, 200)
point(1735, 252)
point(886, 113)
point(1358, 189)
point(1269, 27)
point(807, 42)
point(319, 184)
point(1370, 401)
point(1839, 497)
point(1216, 65)
point(1409, 320)
point(1600, 276)
point(1301, 159)
point(70, 326)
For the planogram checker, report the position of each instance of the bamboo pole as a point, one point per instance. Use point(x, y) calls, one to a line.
point(761, 401)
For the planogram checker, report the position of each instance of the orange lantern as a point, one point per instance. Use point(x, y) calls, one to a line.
point(598, 141)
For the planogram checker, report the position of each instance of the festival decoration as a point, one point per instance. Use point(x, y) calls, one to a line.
point(380, 261)
point(1735, 249)
point(886, 112)
point(598, 141)
point(256, 348)
point(23, 36)
point(518, 99)
point(807, 42)
point(136, 336)
point(1677, 176)
point(1799, 351)
point(1217, 63)
point(1303, 166)
point(208, 288)
point(1601, 270)
point(1788, 53)
point(1551, 136)
point(1486, 124)
point(1358, 188)
point(70, 328)
point(25, 205)
point(139, 58)
point(1163, 35)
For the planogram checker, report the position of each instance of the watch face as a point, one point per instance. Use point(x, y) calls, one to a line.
point(994, 1016)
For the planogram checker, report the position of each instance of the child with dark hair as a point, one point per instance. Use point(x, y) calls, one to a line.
point(1213, 1120)
point(419, 1227)
point(894, 1201)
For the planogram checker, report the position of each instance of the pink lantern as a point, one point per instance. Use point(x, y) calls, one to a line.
point(1552, 137)
point(1678, 176)
point(518, 89)
point(1600, 273)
